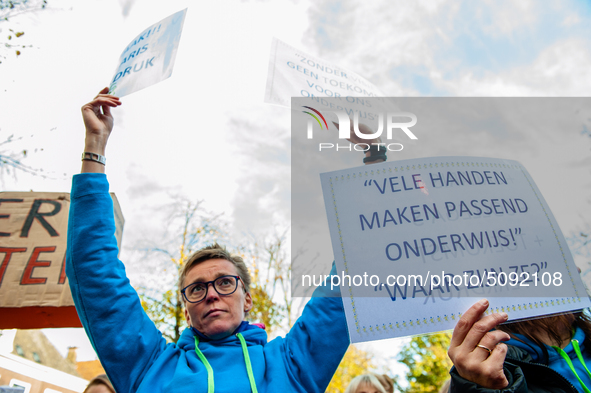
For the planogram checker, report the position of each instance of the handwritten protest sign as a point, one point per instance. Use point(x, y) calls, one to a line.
point(149, 58)
point(34, 291)
point(411, 235)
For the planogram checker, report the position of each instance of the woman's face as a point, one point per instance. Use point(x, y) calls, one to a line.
point(217, 316)
point(366, 388)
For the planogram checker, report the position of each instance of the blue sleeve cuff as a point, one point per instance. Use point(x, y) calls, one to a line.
point(89, 183)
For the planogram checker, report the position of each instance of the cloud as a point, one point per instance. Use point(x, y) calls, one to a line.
point(143, 187)
point(559, 70)
point(262, 200)
point(456, 48)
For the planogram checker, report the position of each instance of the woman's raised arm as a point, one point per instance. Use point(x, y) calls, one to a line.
point(99, 124)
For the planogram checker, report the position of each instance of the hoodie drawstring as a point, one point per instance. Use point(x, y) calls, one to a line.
point(580, 356)
point(207, 366)
point(565, 356)
point(210, 386)
point(253, 385)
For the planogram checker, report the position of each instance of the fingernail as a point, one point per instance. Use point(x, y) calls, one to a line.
point(484, 302)
point(504, 316)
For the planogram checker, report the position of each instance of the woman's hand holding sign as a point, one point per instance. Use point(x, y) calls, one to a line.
point(98, 122)
point(476, 351)
point(375, 149)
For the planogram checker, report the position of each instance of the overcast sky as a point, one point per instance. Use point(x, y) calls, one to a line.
point(206, 134)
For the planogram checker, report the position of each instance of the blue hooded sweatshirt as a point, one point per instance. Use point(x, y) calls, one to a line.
point(555, 360)
point(135, 355)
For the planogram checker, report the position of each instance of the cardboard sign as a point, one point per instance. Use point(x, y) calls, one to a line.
point(418, 241)
point(149, 58)
point(34, 291)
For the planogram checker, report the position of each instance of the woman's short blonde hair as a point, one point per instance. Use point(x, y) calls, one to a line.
point(216, 251)
point(365, 379)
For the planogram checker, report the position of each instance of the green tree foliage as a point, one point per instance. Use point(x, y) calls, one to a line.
point(264, 309)
point(428, 363)
point(9, 40)
point(166, 311)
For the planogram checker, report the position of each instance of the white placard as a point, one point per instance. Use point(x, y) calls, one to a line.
point(469, 227)
point(293, 73)
point(149, 58)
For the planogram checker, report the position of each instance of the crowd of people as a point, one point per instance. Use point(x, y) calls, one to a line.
point(221, 352)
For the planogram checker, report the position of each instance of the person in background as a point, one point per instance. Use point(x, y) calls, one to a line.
point(100, 384)
point(365, 383)
point(445, 387)
point(548, 354)
point(386, 382)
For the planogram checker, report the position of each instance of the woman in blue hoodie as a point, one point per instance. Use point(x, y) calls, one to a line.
point(219, 351)
point(540, 355)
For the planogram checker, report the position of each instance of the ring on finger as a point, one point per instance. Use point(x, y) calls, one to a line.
point(485, 348)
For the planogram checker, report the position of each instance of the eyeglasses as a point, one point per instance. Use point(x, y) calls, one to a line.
point(224, 285)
